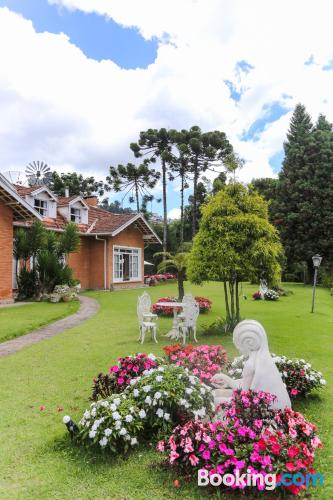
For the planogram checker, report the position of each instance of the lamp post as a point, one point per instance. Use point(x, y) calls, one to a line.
point(316, 259)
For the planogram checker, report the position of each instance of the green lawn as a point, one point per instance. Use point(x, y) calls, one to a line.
point(19, 320)
point(38, 461)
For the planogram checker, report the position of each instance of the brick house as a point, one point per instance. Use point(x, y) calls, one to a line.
point(111, 253)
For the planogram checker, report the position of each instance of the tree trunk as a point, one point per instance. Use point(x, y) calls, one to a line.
point(137, 197)
point(227, 309)
point(195, 189)
point(232, 301)
point(181, 236)
point(165, 208)
point(181, 291)
point(237, 301)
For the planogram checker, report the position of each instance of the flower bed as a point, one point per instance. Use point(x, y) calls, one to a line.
point(251, 438)
point(205, 305)
point(204, 361)
point(151, 405)
point(120, 375)
point(298, 375)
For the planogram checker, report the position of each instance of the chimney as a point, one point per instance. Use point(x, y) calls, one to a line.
point(91, 200)
point(66, 192)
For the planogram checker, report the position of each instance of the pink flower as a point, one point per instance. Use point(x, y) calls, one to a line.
point(160, 446)
point(135, 369)
point(258, 423)
point(120, 380)
point(114, 369)
point(206, 455)
point(193, 459)
point(294, 392)
point(173, 456)
point(315, 442)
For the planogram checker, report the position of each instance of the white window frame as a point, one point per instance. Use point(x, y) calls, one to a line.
point(76, 216)
point(116, 251)
point(43, 208)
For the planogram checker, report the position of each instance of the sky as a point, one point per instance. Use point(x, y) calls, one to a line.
point(79, 79)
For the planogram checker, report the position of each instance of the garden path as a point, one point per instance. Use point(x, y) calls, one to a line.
point(88, 307)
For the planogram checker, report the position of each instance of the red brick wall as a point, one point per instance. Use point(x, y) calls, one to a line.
point(88, 262)
point(6, 252)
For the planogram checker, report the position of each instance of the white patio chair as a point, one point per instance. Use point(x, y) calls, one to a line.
point(187, 299)
point(145, 301)
point(189, 324)
point(146, 319)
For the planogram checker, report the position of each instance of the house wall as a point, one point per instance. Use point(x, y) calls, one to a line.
point(6, 253)
point(88, 263)
point(130, 237)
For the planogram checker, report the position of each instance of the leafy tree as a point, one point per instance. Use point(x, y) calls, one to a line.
point(157, 144)
point(219, 182)
point(115, 207)
point(43, 256)
point(76, 184)
point(235, 242)
point(232, 163)
point(175, 262)
point(201, 198)
point(304, 192)
point(135, 181)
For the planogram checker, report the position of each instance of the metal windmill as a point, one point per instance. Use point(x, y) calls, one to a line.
point(38, 173)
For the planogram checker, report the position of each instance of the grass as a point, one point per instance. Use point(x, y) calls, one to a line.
point(37, 459)
point(19, 320)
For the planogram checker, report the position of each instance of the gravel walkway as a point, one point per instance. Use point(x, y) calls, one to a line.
point(88, 308)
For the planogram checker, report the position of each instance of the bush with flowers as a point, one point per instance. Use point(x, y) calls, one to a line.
point(257, 296)
point(152, 404)
point(271, 295)
point(298, 375)
point(205, 305)
point(204, 361)
point(252, 437)
point(121, 374)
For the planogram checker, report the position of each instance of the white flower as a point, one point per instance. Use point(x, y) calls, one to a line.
point(182, 402)
point(135, 393)
point(188, 390)
point(93, 412)
point(66, 419)
point(146, 388)
point(193, 380)
point(133, 381)
point(117, 401)
point(108, 432)
point(160, 413)
point(103, 442)
point(142, 413)
point(105, 404)
point(86, 414)
point(148, 400)
point(166, 416)
point(323, 381)
point(151, 356)
point(159, 378)
point(92, 434)
point(117, 425)
point(202, 390)
point(180, 376)
point(129, 418)
point(113, 407)
point(160, 369)
point(134, 441)
point(122, 431)
point(116, 415)
point(157, 395)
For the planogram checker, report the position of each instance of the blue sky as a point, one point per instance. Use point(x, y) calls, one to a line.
point(99, 38)
point(145, 64)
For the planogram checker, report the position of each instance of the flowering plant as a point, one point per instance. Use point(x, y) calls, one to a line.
point(121, 374)
point(170, 394)
point(252, 437)
point(113, 423)
point(204, 361)
point(205, 305)
point(298, 375)
point(271, 295)
point(256, 296)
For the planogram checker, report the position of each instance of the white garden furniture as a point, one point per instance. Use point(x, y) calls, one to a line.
point(191, 312)
point(263, 288)
point(147, 320)
point(187, 299)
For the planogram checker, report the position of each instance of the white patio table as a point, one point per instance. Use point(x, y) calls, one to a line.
point(174, 332)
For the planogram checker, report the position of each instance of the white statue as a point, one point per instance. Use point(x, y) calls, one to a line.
point(259, 373)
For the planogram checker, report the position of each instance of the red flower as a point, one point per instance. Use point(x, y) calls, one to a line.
point(293, 451)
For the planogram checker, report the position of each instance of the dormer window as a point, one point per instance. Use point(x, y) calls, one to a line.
point(40, 206)
point(76, 215)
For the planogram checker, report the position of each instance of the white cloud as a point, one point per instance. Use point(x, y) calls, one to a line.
point(174, 213)
point(76, 113)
